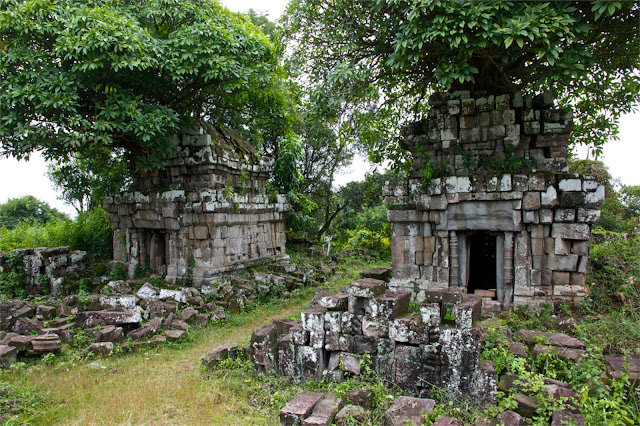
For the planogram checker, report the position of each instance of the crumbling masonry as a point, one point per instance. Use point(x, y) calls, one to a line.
point(504, 219)
point(206, 212)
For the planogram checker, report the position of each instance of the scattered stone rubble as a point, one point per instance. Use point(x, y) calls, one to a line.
point(415, 351)
point(208, 211)
point(536, 223)
point(133, 313)
point(45, 268)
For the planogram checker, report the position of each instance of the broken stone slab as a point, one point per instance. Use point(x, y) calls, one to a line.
point(263, 349)
point(8, 356)
point(217, 314)
point(175, 335)
point(133, 344)
point(146, 330)
point(511, 418)
point(324, 411)
point(566, 354)
point(47, 343)
point(90, 319)
point(298, 409)
point(367, 288)
point(381, 273)
point(65, 332)
point(116, 303)
point(188, 315)
point(175, 295)
point(101, 349)
point(45, 313)
point(147, 291)
point(213, 358)
point(408, 410)
point(351, 414)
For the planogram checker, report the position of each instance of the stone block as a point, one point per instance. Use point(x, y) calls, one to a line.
point(391, 305)
point(313, 322)
point(213, 358)
point(408, 329)
point(110, 333)
point(90, 319)
point(444, 295)
point(561, 278)
point(101, 349)
point(364, 345)
point(351, 324)
point(336, 302)
point(588, 216)
point(430, 314)
point(581, 248)
point(367, 288)
point(381, 273)
point(531, 201)
point(263, 349)
point(376, 328)
point(549, 198)
point(333, 321)
point(407, 410)
point(311, 361)
point(298, 409)
point(577, 231)
point(41, 345)
point(562, 247)
point(572, 199)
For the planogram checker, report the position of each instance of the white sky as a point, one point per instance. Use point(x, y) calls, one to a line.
point(19, 178)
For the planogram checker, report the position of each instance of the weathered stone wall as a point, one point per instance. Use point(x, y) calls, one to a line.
point(45, 268)
point(206, 212)
point(539, 215)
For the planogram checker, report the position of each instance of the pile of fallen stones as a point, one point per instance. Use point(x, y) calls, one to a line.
point(365, 321)
point(132, 313)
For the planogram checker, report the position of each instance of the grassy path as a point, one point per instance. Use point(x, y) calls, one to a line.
point(163, 386)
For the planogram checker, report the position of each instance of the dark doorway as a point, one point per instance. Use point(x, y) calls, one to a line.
point(482, 263)
point(155, 250)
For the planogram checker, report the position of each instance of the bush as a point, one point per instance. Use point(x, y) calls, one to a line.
point(90, 231)
point(614, 278)
point(375, 243)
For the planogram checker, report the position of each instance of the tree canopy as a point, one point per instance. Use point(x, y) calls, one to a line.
point(27, 209)
point(120, 74)
point(377, 61)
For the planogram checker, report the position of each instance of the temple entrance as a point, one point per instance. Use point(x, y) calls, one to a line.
point(154, 254)
point(482, 265)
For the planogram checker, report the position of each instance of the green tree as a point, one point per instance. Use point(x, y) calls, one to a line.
point(78, 76)
point(620, 209)
point(27, 209)
point(85, 181)
point(377, 61)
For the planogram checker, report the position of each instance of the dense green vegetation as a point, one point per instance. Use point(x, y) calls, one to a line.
point(89, 231)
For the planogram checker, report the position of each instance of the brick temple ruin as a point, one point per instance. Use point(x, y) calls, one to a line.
point(505, 219)
point(207, 211)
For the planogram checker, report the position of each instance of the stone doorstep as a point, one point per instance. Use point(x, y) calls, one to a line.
point(298, 409)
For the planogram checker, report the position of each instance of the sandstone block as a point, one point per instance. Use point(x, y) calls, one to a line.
point(298, 409)
point(408, 410)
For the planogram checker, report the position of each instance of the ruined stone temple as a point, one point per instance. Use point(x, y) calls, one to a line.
point(207, 211)
point(502, 218)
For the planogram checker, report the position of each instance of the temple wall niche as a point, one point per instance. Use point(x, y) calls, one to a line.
point(207, 211)
point(502, 217)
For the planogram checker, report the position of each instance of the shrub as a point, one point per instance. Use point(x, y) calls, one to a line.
point(90, 231)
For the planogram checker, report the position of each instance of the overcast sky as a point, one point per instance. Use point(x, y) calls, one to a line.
point(18, 178)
